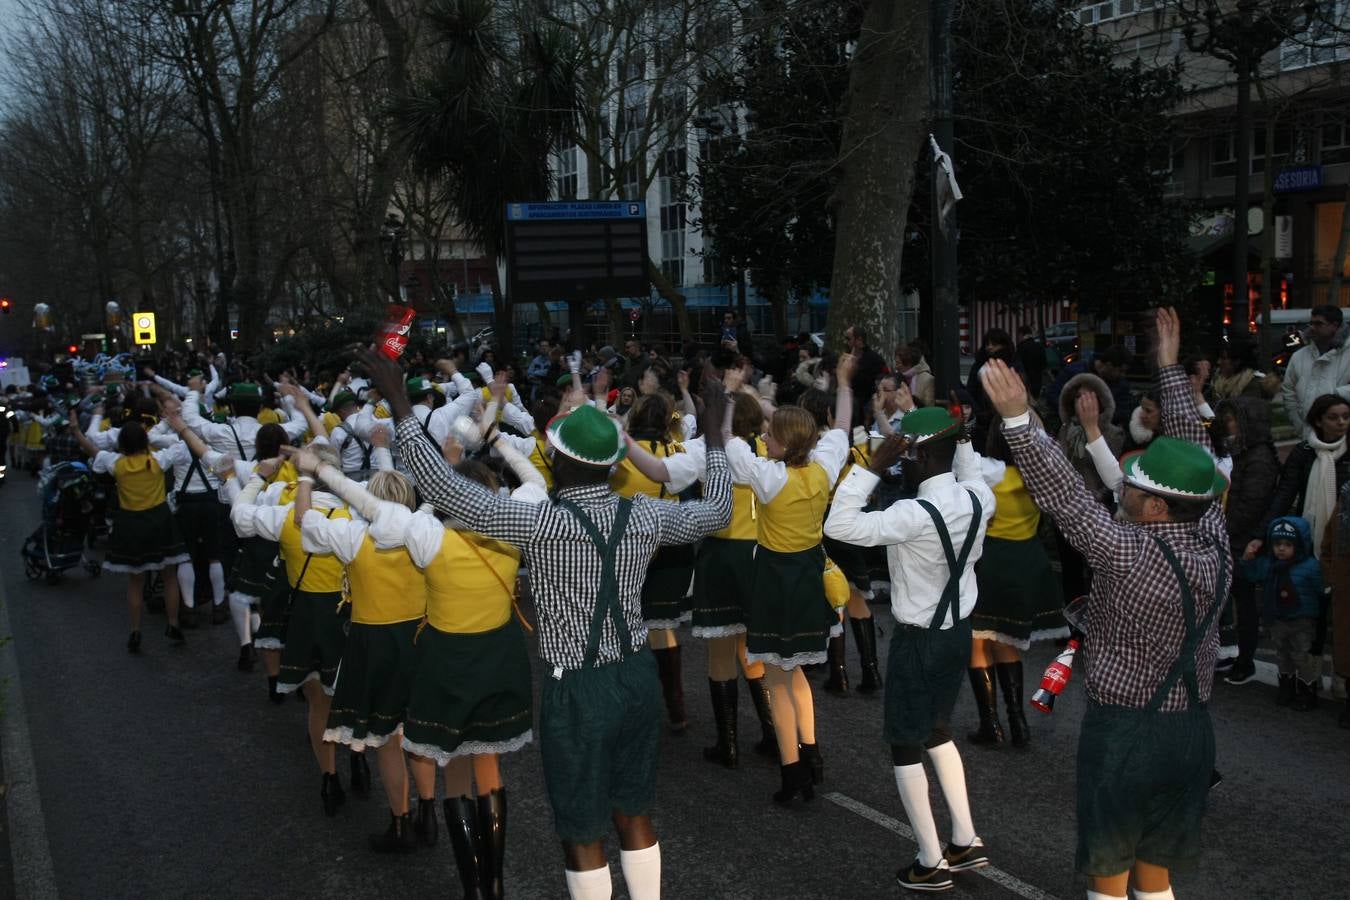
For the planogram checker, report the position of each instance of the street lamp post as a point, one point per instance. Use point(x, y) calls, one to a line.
point(946, 317)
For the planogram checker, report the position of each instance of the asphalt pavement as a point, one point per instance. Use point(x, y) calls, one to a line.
point(170, 775)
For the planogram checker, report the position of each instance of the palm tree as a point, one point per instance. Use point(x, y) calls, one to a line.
point(487, 118)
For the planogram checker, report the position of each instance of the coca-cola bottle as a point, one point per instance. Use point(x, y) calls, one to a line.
point(1055, 679)
point(392, 338)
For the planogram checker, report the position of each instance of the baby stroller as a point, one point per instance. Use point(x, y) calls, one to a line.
point(69, 508)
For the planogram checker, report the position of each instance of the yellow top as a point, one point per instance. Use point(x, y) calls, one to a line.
point(140, 482)
point(1016, 516)
point(836, 585)
point(384, 586)
point(539, 459)
point(471, 583)
point(795, 519)
point(330, 421)
point(32, 435)
point(744, 507)
point(382, 413)
point(324, 575)
point(268, 416)
point(628, 482)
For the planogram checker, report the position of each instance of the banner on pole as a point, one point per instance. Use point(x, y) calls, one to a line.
point(948, 191)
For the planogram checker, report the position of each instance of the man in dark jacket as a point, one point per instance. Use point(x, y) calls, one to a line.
point(1241, 431)
point(1110, 366)
point(869, 368)
point(1031, 357)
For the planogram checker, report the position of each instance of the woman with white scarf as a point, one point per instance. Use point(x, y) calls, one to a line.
point(1310, 485)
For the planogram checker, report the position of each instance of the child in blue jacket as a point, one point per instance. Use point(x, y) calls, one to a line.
point(1291, 590)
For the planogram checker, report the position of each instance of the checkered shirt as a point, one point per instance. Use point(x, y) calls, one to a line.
point(1134, 622)
point(565, 567)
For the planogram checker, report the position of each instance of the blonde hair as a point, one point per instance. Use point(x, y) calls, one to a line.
point(795, 429)
point(393, 487)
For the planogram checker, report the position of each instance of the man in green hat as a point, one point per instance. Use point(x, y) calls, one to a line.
point(1161, 570)
point(235, 437)
point(351, 447)
point(587, 552)
point(932, 544)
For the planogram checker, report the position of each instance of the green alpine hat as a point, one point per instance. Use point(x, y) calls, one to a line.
point(1174, 468)
point(588, 436)
point(929, 423)
point(564, 380)
point(244, 390)
point(342, 398)
point(419, 386)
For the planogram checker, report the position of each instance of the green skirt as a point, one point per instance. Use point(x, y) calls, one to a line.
point(370, 696)
point(315, 633)
point(144, 540)
point(1020, 599)
point(274, 608)
point(470, 693)
point(924, 671)
point(252, 564)
point(723, 581)
point(665, 591)
point(790, 620)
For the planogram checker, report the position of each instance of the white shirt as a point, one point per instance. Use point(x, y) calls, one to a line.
point(914, 553)
point(161, 436)
point(351, 446)
point(239, 436)
point(767, 477)
point(181, 459)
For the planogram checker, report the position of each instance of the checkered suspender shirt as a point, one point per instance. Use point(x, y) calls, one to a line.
point(564, 565)
point(1134, 620)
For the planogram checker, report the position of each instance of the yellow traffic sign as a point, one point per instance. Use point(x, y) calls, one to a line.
point(143, 328)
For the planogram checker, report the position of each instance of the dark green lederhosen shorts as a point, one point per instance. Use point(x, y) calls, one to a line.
point(599, 730)
point(370, 694)
point(665, 590)
point(790, 620)
point(1020, 597)
point(924, 671)
point(144, 540)
point(252, 563)
point(274, 608)
point(198, 521)
point(723, 580)
point(1143, 778)
point(470, 693)
point(851, 560)
point(315, 633)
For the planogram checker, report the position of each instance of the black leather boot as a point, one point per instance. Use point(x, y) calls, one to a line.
point(461, 820)
point(1010, 680)
point(246, 658)
point(360, 775)
point(812, 760)
point(425, 826)
point(1285, 693)
point(1305, 695)
point(397, 838)
point(837, 683)
point(725, 751)
point(272, 693)
point(672, 687)
point(796, 780)
point(491, 842)
point(865, 639)
point(767, 745)
point(331, 793)
point(982, 686)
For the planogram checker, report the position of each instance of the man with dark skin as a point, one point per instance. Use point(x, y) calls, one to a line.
point(587, 553)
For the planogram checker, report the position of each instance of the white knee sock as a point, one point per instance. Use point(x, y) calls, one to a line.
point(952, 776)
point(187, 584)
point(217, 573)
point(642, 872)
point(912, 782)
point(1154, 895)
point(593, 884)
point(255, 622)
point(240, 614)
point(1097, 895)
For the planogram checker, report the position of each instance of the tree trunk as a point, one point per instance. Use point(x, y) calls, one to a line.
point(883, 131)
point(672, 294)
point(1267, 243)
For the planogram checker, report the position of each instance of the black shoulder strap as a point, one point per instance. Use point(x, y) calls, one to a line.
point(956, 564)
point(309, 557)
point(238, 443)
point(425, 429)
point(353, 436)
point(194, 469)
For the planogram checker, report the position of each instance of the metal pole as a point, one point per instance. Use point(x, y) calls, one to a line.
point(946, 360)
point(1242, 187)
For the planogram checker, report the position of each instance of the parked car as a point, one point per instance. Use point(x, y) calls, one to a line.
point(1061, 343)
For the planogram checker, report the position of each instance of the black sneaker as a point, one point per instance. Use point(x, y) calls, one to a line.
point(1240, 673)
point(959, 858)
point(922, 878)
point(246, 658)
point(219, 614)
point(172, 633)
point(134, 642)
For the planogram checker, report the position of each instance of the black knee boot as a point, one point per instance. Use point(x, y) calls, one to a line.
point(982, 686)
point(424, 826)
point(491, 842)
point(865, 638)
point(725, 751)
point(1010, 680)
point(461, 820)
point(672, 687)
point(360, 775)
point(837, 683)
point(1284, 695)
point(767, 745)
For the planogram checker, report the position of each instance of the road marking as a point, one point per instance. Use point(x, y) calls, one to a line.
point(993, 873)
point(34, 876)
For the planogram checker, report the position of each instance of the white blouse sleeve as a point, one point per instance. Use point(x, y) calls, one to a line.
point(341, 537)
point(687, 467)
point(1108, 467)
point(830, 453)
point(104, 462)
point(767, 477)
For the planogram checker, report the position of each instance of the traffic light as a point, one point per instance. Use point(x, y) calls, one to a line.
point(5, 305)
point(73, 349)
point(144, 328)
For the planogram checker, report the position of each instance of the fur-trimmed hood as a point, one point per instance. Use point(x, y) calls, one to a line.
point(1106, 403)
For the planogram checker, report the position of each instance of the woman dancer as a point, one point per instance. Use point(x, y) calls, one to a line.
point(790, 620)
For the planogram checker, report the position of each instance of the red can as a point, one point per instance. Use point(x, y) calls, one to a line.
point(392, 338)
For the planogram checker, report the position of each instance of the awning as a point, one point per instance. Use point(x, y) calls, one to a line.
point(1204, 245)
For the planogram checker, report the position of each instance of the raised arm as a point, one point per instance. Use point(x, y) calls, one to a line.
point(299, 400)
point(1105, 462)
point(684, 523)
point(307, 462)
point(1175, 393)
